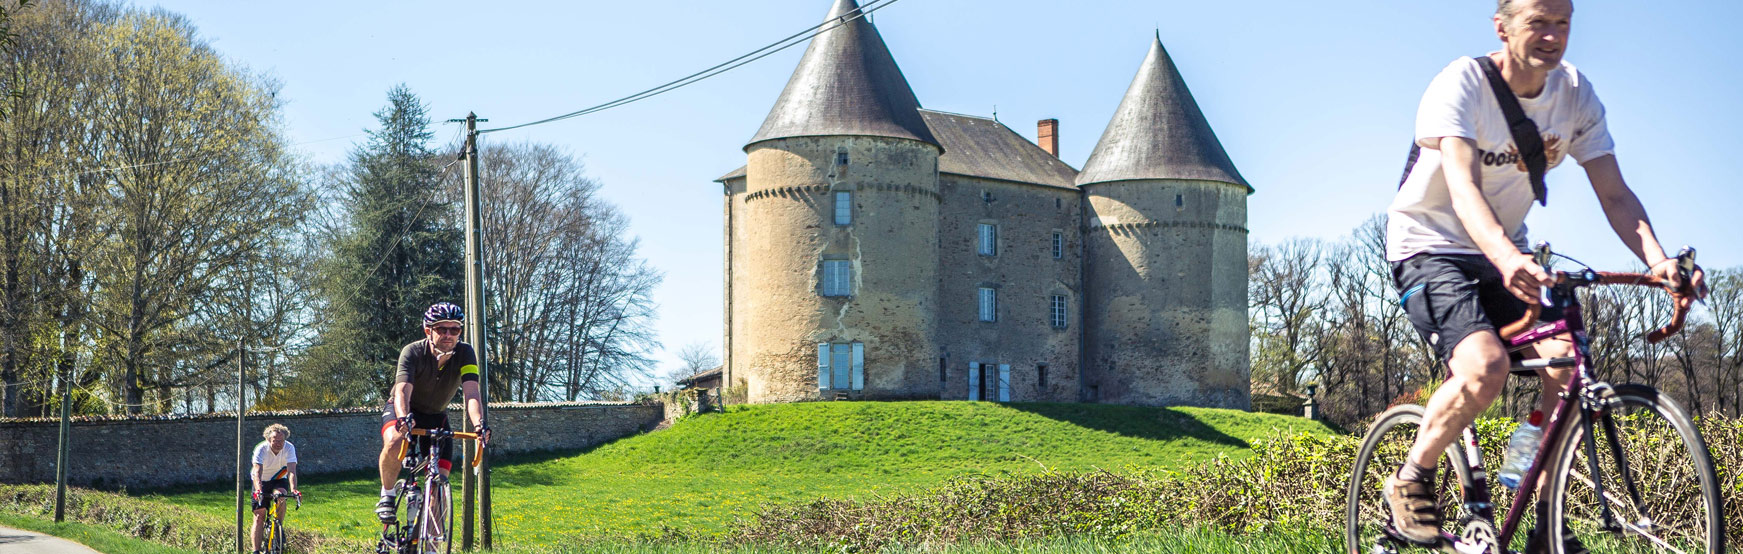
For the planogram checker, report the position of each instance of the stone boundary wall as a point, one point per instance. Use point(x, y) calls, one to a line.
point(153, 451)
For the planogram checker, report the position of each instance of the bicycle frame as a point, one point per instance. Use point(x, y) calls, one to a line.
point(1480, 501)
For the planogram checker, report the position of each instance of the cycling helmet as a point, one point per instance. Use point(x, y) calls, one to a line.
point(443, 311)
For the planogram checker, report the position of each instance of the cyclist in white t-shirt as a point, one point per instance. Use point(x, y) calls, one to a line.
point(275, 469)
point(1455, 234)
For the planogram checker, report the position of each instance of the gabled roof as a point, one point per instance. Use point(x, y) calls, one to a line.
point(847, 84)
point(1158, 132)
point(983, 147)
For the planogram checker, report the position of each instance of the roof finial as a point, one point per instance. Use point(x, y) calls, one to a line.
point(995, 112)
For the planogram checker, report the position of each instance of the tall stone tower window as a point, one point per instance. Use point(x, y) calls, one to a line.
point(989, 304)
point(1058, 244)
point(1041, 376)
point(1056, 311)
point(843, 207)
point(988, 245)
point(841, 365)
point(837, 278)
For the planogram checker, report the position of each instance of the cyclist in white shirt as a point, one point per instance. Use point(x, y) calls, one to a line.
point(275, 469)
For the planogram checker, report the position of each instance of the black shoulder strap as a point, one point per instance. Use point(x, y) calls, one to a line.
point(1525, 134)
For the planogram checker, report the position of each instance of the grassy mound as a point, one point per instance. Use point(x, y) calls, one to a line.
point(701, 475)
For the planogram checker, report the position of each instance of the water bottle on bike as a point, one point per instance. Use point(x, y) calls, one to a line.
point(1521, 449)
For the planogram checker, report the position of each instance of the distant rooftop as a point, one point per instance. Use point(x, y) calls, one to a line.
point(847, 84)
point(1158, 132)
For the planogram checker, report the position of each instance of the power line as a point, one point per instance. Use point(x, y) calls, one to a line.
point(717, 69)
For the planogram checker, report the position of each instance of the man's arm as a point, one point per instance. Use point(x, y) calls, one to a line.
point(1627, 217)
point(254, 475)
point(402, 399)
point(1459, 162)
point(474, 404)
point(293, 475)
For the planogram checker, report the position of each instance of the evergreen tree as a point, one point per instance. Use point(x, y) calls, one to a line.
point(398, 251)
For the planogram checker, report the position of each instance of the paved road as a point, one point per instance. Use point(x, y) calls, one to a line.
point(19, 541)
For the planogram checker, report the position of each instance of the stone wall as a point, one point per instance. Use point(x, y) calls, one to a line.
point(154, 452)
point(1167, 302)
point(1024, 275)
point(784, 230)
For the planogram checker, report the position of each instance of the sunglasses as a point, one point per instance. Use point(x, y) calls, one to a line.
point(445, 330)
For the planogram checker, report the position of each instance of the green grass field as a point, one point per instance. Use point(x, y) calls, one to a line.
point(707, 470)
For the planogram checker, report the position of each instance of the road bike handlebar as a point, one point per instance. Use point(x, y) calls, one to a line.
point(1685, 261)
point(477, 453)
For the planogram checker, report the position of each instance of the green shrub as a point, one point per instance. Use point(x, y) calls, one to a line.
point(1291, 482)
point(147, 520)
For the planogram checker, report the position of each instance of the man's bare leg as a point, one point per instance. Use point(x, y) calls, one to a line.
point(1479, 374)
point(259, 533)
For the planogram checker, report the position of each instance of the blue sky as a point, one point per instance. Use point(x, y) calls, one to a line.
point(1313, 101)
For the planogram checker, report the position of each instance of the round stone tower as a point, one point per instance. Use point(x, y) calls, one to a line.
point(833, 269)
point(1166, 266)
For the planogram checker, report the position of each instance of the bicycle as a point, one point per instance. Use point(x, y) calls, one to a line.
point(1594, 487)
point(429, 514)
point(275, 534)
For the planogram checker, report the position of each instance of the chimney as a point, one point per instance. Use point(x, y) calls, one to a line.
point(1047, 134)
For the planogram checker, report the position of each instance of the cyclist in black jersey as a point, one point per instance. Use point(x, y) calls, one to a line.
point(430, 371)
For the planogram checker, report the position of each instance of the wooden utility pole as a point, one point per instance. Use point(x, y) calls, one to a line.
point(241, 408)
point(476, 479)
point(60, 460)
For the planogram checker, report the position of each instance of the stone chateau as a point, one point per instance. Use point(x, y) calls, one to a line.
point(879, 250)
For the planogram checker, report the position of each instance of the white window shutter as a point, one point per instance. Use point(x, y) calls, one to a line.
point(859, 366)
point(974, 380)
point(823, 366)
point(1004, 382)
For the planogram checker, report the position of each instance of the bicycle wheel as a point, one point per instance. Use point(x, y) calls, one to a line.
point(1383, 451)
point(1663, 492)
point(274, 534)
point(437, 520)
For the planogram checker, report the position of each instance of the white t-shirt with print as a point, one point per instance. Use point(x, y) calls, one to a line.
point(274, 465)
point(1460, 103)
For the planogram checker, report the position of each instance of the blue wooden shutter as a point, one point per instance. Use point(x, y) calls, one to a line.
point(823, 366)
point(858, 366)
point(974, 380)
point(1004, 382)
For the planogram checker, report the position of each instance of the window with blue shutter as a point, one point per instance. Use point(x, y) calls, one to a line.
point(1056, 311)
point(841, 364)
point(989, 304)
point(837, 278)
point(988, 245)
point(1058, 245)
point(843, 207)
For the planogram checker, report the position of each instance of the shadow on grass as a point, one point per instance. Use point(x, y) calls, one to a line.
point(1159, 424)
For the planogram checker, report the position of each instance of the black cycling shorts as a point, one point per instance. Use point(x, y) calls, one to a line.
point(445, 450)
point(266, 489)
point(1451, 296)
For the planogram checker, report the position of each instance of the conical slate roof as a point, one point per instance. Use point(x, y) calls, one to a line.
point(847, 84)
point(1159, 133)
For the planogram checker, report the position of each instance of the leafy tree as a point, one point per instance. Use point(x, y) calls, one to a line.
point(396, 251)
point(204, 186)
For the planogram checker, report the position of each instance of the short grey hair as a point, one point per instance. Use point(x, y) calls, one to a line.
point(275, 428)
point(1505, 8)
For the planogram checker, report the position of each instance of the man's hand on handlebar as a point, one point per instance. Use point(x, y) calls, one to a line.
point(406, 423)
point(483, 434)
point(1523, 277)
